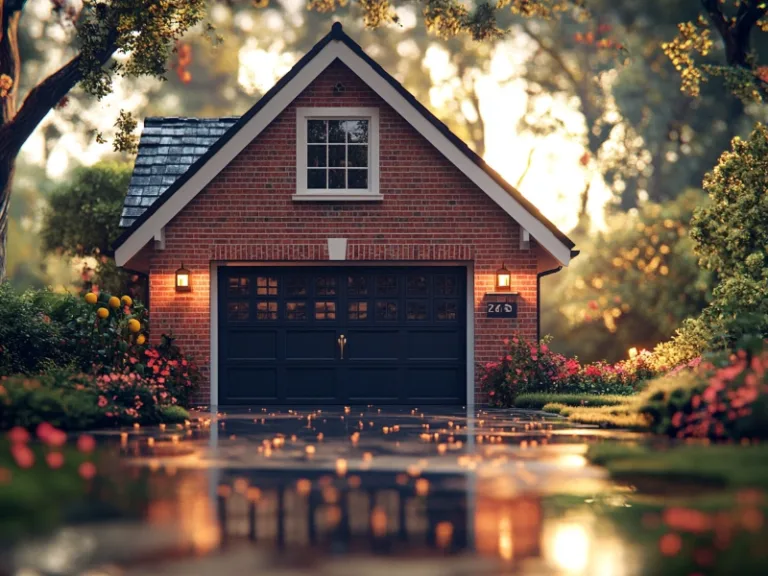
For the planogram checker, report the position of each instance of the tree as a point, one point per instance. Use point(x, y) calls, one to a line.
point(632, 286)
point(144, 32)
point(734, 22)
point(82, 220)
point(731, 236)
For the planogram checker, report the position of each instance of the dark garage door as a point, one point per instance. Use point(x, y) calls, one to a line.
point(335, 335)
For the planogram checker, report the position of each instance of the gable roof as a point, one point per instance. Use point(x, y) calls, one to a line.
point(167, 148)
point(163, 206)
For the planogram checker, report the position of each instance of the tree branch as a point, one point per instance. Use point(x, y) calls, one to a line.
point(717, 17)
point(552, 53)
point(42, 99)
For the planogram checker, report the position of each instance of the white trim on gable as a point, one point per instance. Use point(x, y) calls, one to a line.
point(148, 229)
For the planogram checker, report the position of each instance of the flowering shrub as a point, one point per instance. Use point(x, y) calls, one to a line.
point(76, 401)
point(714, 402)
point(526, 368)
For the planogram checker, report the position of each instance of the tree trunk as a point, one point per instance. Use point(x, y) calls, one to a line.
point(10, 12)
point(17, 127)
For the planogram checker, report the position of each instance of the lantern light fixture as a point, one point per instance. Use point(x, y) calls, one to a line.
point(182, 280)
point(503, 279)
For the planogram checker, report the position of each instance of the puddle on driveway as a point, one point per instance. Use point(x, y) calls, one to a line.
point(364, 490)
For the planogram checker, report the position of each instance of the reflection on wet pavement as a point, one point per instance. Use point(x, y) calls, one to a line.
point(351, 489)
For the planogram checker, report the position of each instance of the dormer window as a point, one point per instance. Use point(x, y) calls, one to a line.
point(337, 153)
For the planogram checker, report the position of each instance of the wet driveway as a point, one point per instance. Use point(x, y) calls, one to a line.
point(355, 490)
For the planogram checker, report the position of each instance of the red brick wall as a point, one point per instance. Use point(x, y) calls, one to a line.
point(430, 212)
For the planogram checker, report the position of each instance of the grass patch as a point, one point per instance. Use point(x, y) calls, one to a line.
point(554, 407)
point(724, 465)
point(537, 401)
point(621, 416)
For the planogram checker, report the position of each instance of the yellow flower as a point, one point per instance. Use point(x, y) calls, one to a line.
point(114, 302)
point(127, 300)
point(91, 298)
point(141, 339)
point(102, 313)
point(134, 325)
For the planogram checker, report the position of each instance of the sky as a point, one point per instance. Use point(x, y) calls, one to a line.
point(553, 182)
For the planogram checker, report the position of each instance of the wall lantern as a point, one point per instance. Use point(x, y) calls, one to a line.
point(182, 279)
point(503, 279)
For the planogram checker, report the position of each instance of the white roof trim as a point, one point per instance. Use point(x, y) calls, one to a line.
point(237, 143)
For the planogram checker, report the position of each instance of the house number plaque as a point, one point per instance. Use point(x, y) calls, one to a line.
point(501, 309)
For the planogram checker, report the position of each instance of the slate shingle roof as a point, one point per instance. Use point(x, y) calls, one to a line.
point(167, 148)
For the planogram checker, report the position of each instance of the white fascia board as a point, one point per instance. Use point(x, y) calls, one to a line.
point(336, 49)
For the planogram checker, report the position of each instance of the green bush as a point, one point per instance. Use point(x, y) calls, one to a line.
point(75, 401)
point(173, 414)
point(712, 401)
point(29, 340)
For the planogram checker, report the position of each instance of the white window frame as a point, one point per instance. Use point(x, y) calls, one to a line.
point(337, 113)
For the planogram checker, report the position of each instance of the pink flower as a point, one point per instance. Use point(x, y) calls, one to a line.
point(23, 456)
point(18, 435)
point(87, 470)
point(50, 435)
point(544, 348)
point(506, 341)
point(508, 358)
point(86, 443)
point(55, 460)
point(102, 401)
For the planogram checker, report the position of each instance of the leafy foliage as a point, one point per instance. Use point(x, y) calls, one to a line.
point(71, 400)
point(29, 340)
point(711, 401)
point(82, 220)
point(633, 285)
point(525, 368)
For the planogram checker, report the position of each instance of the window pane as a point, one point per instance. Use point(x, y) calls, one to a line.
point(417, 285)
point(447, 310)
point(295, 287)
point(316, 155)
point(358, 179)
point(325, 310)
point(446, 286)
point(357, 286)
point(238, 310)
point(358, 310)
point(238, 287)
point(266, 310)
point(416, 310)
point(325, 286)
point(357, 130)
point(386, 285)
point(336, 131)
point(357, 156)
point(337, 156)
point(316, 179)
point(316, 130)
point(296, 310)
point(386, 310)
point(336, 179)
point(266, 286)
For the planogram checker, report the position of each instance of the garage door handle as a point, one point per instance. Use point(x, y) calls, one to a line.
point(342, 342)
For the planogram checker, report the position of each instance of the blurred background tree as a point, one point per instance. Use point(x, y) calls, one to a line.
point(632, 285)
point(80, 223)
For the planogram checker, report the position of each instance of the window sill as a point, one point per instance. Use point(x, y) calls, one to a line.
point(344, 197)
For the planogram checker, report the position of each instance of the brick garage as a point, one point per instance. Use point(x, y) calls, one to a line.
point(227, 198)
